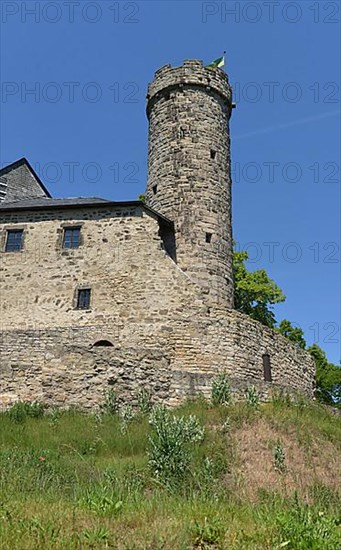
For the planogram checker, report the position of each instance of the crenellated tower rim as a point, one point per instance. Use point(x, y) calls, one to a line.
point(189, 170)
point(193, 73)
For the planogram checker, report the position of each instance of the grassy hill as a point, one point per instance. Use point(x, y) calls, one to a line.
point(258, 476)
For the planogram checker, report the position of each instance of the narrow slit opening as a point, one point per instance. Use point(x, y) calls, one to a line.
point(267, 368)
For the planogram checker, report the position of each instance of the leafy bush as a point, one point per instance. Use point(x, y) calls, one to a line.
point(102, 500)
point(23, 409)
point(221, 389)
point(170, 453)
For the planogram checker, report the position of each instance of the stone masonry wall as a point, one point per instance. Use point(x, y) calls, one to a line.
point(132, 279)
point(61, 367)
point(189, 178)
point(164, 336)
point(63, 370)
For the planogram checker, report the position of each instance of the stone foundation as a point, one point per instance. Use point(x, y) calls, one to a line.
point(62, 367)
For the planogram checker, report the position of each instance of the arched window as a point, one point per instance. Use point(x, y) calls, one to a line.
point(102, 343)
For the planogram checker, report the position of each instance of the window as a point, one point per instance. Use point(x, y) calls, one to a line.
point(83, 298)
point(208, 237)
point(14, 240)
point(213, 154)
point(154, 189)
point(71, 237)
point(267, 368)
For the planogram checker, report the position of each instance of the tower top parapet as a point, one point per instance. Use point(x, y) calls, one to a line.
point(193, 73)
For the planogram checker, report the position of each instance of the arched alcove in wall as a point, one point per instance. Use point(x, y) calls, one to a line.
point(102, 343)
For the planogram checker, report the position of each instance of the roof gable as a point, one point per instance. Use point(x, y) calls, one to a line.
point(19, 181)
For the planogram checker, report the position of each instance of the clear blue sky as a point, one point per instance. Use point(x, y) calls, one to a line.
point(85, 131)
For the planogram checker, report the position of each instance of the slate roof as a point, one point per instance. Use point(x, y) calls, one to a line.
point(24, 162)
point(72, 203)
point(49, 203)
point(42, 202)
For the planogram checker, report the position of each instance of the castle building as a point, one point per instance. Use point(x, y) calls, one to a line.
point(134, 295)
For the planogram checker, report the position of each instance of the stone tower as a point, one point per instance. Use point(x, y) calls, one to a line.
point(189, 178)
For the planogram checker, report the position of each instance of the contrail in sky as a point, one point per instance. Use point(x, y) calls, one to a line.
point(269, 129)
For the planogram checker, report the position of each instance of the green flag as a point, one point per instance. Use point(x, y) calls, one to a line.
point(220, 62)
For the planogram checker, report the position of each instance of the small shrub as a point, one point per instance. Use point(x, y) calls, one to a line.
point(279, 457)
point(54, 417)
point(110, 405)
point(170, 454)
point(226, 426)
point(102, 500)
point(24, 409)
point(144, 401)
point(304, 527)
point(88, 447)
point(221, 389)
point(252, 396)
point(95, 535)
point(126, 416)
point(208, 534)
point(208, 470)
point(280, 398)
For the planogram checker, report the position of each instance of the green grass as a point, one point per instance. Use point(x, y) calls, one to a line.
point(78, 481)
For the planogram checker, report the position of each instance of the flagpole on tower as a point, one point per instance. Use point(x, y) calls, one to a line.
point(217, 63)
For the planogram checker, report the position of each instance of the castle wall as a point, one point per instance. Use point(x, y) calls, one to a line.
point(60, 366)
point(164, 336)
point(132, 279)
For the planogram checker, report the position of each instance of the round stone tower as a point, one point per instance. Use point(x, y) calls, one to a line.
point(189, 177)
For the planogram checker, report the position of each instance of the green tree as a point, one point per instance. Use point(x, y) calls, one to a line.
point(328, 377)
point(295, 334)
point(255, 292)
point(142, 197)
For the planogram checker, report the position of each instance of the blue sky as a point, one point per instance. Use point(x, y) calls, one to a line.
point(74, 78)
